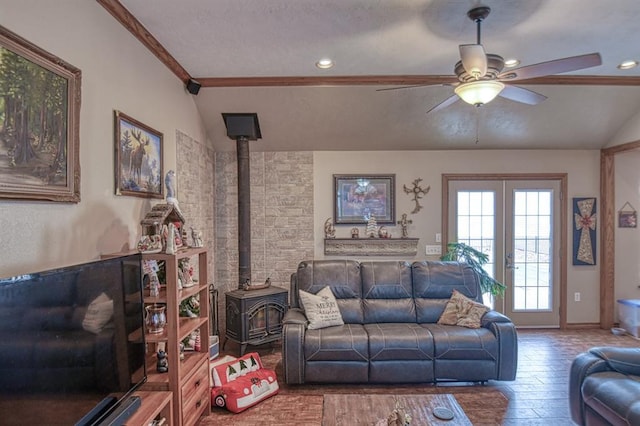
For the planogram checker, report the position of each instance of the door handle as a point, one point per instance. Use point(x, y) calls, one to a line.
point(508, 262)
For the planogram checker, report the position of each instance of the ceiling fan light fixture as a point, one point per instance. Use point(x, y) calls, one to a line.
point(479, 92)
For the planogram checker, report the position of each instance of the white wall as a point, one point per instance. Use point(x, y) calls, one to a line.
point(117, 73)
point(629, 132)
point(582, 168)
point(627, 240)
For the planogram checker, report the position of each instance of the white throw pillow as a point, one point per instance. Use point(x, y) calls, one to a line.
point(99, 313)
point(321, 309)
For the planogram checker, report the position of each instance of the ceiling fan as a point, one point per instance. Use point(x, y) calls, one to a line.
point(481, 77)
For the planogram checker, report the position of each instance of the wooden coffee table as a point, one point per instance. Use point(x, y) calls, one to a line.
point(353, 409)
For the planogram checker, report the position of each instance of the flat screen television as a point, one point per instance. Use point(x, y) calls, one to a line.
point(71, 340)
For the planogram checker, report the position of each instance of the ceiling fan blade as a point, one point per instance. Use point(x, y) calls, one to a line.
point(557, 66)
point(474, 59)
point(442, 105)
point(522, 95)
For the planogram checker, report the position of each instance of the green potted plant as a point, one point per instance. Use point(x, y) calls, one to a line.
point(476, 259)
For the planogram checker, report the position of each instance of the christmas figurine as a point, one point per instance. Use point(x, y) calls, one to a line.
point(163, 363)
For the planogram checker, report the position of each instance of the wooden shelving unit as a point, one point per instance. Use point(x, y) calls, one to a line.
point(187, 379)
point(155, 405)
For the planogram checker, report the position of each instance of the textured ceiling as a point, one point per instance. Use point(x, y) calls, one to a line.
point(280, 38)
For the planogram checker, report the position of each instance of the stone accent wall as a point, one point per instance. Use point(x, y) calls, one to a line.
point(281, 216)
point(195, 181)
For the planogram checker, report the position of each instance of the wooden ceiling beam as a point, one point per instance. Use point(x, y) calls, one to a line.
point(362, 80)
point(407, 80)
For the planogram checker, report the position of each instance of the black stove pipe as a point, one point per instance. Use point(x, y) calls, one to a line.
point(243, 127)
point(244, 212)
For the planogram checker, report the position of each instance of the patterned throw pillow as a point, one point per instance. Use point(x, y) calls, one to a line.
point(321, 309)
point(461, 310)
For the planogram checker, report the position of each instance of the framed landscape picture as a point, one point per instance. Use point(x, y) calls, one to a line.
point(358, 197)
point(39, 129)
point(138, 164)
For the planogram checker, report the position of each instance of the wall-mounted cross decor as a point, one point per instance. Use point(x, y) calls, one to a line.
point(417, 192)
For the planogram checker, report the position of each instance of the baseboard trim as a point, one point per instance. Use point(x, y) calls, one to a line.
point(583, 326)
point(537, 327)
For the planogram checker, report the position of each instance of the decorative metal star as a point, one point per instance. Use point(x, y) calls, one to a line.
point(417, 192)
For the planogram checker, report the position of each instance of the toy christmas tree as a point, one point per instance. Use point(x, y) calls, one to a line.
point(372, 227)
point(231, 373)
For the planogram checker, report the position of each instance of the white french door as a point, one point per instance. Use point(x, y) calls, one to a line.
point(514, 222)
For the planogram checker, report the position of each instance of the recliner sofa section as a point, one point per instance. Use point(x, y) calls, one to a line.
point(604, 387)
point(390, 310)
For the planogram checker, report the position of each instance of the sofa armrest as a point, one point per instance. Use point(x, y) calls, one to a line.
point(622, 360)
point(295, 316)
point(505, 331)
point(583, 365)
point(294, 327)
point(493, 316)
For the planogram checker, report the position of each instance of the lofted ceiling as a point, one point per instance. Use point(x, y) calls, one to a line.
point(259, 56)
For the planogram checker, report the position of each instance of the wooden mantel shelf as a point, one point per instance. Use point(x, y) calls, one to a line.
point(371, 246)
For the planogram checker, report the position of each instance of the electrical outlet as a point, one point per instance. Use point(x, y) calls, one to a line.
point(576, 296)
point(438, 237)
point(433, 250)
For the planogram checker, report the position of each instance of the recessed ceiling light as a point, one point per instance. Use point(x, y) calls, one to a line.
point(627, 65)
point(324, 63)
point(510, 63)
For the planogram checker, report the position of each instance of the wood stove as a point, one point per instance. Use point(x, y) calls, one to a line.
point(254, 317)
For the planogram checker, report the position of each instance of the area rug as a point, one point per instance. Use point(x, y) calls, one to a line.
point(482, 407)
point(303, 404)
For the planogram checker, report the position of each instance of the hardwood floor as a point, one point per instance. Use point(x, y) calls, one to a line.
point(538, 396)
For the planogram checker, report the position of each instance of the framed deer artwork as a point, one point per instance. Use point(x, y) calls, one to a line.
point(138, 158)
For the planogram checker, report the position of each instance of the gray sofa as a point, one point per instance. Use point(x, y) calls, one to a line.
point(390, 335)
point(604, 387)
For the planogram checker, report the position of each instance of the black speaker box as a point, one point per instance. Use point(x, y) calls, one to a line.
point(193, 86)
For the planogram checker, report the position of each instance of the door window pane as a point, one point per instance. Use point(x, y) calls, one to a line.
point(532, 227)
point(476, 225)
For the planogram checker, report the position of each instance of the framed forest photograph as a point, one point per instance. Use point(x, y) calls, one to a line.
point(138, 164)
point(39, 123)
